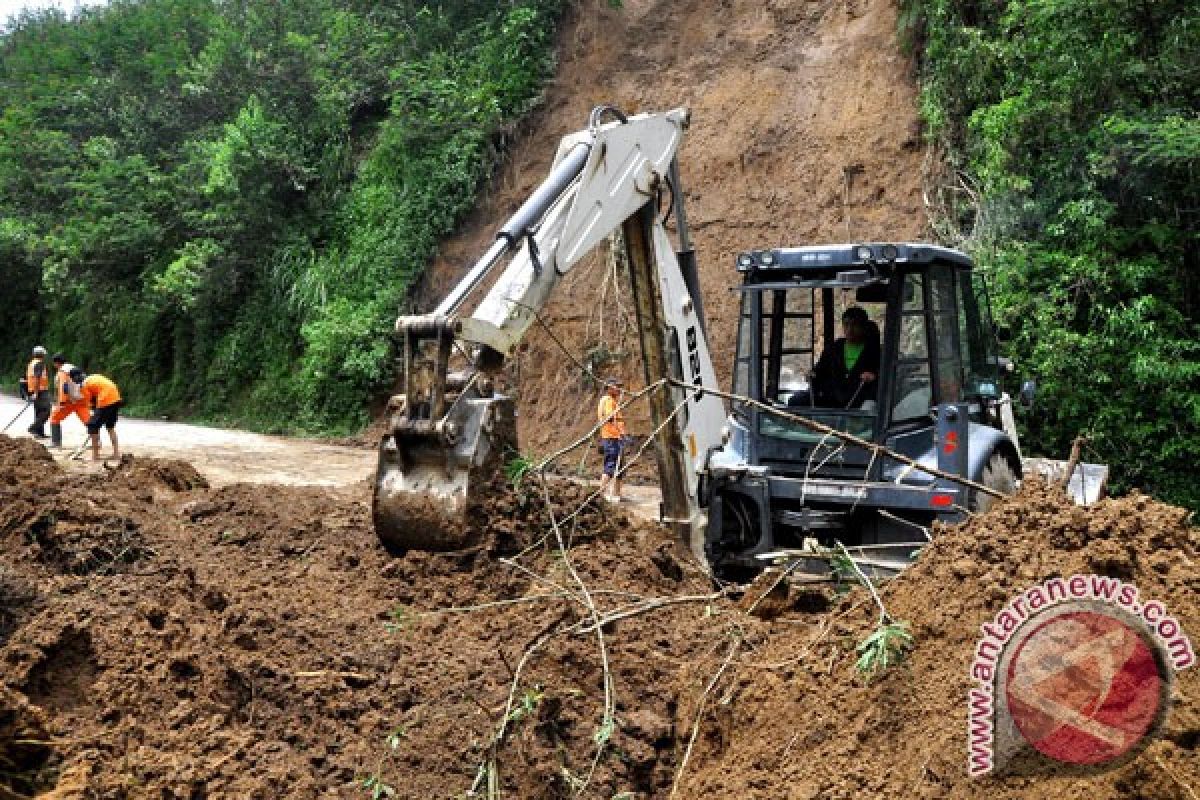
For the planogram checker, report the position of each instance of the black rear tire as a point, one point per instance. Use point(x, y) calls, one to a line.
point(997, 474)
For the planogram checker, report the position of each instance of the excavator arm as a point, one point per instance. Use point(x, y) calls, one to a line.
point(450, 432)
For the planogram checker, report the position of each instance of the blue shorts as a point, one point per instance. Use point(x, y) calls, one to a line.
point(612, 451)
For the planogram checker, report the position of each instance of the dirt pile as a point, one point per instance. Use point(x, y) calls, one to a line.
point(166, 473)
point(257, 641)
point(796, 717)
point(262, 643)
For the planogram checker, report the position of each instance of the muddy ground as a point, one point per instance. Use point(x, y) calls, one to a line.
point(159, 638)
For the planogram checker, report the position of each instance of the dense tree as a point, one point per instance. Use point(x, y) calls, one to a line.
point(1074, 127)
point(224, 202)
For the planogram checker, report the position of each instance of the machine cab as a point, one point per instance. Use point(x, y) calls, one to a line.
point(866, 339)
point(869, 340)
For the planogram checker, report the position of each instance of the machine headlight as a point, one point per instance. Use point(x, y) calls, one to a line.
point(745, 260)
point(863, 252)
point(889, 252)
point(767, 258)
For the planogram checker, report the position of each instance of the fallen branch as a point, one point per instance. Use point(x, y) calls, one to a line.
point(608, 720)
point(487, 770)
point(687, 753)
point(325, 673)
point(648, 606)
point(783, 573)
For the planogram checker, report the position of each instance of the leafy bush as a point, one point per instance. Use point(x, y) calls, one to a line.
point(223, 206)
point(1077, 124)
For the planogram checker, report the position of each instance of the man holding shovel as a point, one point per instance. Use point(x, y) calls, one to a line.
point(102, 395)
point(70, 399)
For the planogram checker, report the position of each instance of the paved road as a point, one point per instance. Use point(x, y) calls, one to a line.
point(222, 456)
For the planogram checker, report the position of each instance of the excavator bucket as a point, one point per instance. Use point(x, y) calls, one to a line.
point(425, 482)
point(449, 434)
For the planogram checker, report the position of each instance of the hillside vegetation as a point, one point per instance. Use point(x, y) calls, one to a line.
point(1072, 132)
point(222, 204)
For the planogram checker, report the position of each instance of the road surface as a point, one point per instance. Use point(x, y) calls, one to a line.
point(226, 456)
point(220, 455)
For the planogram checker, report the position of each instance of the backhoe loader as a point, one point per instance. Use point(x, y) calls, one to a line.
point(792, 465)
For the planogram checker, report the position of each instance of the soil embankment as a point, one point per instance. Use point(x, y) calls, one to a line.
point(161, 638)
point(804, 131)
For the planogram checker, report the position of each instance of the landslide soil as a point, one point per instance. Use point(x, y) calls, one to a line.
point(804, 131)
point(164, 639)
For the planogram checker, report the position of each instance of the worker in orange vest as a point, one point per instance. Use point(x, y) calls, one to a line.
point(37, 384)
point(69, 399)
point(612, 436)
point(102, 395)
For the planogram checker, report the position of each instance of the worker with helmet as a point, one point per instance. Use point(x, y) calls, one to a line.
point(104, 398)
point(69, 399)
point(37, 385)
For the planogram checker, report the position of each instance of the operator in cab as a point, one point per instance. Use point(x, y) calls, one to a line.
point(847, 374)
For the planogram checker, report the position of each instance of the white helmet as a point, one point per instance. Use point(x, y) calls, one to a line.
point(39, 352)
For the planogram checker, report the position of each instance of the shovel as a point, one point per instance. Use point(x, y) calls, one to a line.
point(25, 408)
point(77, 453)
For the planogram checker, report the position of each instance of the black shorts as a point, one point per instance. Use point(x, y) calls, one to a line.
point(103, 418)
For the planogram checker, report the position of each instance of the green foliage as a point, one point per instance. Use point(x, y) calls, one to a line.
point(886, 647)
point(399, 618)
point(527, 706)
point(517, 468)
point(223, 205)
point(1077, 124)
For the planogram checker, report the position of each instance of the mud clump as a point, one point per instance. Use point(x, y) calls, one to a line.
point(502, 518)
point(812, 724)
point(24, 461)
point(167, 473)
point(27, 761)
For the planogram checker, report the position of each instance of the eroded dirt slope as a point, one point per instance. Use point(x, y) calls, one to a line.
point(804, 131)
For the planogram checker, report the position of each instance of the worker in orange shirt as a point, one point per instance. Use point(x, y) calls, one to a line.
point(37, 384)
point(104, 398)
point(612, 436)
point(69, 399)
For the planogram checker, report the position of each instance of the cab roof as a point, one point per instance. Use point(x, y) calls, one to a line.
point(873, 256)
